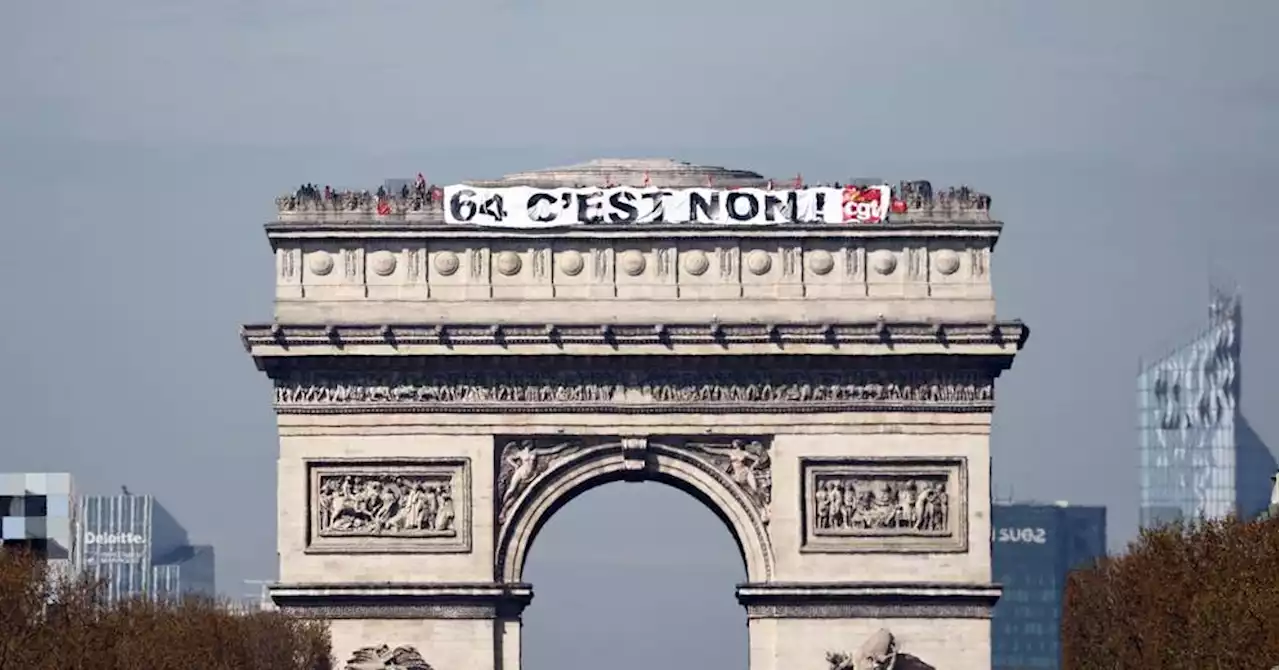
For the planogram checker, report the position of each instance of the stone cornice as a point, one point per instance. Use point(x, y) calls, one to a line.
point(868, 600)
point(367, 228)
point(402, 601)
point(879, 338)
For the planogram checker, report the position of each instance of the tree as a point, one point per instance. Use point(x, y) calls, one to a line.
point(64, 623)
point(1193, 596)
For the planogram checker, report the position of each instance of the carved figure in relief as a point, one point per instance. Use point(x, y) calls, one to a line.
point(384, 657)
point(857, 503)
point(742, 463)
point(878, 652)
point(523, 462)
point(385, 505)
point(748, 464)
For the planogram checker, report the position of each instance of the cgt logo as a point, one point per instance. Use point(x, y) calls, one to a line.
point(114, 538)
point(868, 204)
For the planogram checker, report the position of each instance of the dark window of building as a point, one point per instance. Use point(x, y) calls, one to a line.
point(35, 506)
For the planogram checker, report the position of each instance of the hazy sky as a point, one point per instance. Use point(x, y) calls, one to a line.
point(1131, 147)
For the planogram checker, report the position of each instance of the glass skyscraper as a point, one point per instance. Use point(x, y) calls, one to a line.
point(1034, 546)
point(1199, 456)
point(135, 547)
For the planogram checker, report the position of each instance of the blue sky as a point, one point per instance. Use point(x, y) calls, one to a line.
point(1129, 145)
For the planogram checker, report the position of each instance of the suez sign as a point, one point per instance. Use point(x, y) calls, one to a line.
point(1026, 535)
point(526, 207)
point(114, 538)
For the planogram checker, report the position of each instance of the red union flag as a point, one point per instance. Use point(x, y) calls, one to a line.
point(384, 207)
point(866, 204)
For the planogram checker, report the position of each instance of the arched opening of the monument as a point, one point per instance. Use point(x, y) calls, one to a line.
point(635, 575)
point(539, 477)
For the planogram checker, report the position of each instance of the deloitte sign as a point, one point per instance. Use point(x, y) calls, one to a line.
point(106, 548)
point(113, 538)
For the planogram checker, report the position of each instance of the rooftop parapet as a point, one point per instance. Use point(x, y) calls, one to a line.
point(913, 201)
point(868, 253)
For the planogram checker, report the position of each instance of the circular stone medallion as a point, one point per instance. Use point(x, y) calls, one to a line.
point(383, 263)
point(821, 262)
point(631, 262)
point(946, 261)
point(571, 262)
point(508, 263)
point(696, 262)
point(759, 262)
point(446, 263)
point(321, 263)
point(883, 261)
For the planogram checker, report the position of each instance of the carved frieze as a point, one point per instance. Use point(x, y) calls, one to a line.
point(389, 506)
point(903, 505)
point(633, 263)
point(383, 657)
point(747, 463)
point(507, 387)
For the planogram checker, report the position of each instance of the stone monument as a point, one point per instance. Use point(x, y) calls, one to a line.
point(827, 390)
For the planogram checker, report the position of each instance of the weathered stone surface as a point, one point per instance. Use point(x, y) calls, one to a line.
point(326, 274)
point(440, 391)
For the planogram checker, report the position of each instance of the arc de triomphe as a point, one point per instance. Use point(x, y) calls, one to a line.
point(827, 390)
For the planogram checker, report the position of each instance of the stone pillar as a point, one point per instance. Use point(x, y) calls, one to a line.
point(930, 625)
point(445, 625)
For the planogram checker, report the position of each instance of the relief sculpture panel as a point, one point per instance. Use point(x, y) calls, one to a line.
point(389, 506)
point(884, 505)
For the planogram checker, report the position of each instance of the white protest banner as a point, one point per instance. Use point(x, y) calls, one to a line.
point(526, 207)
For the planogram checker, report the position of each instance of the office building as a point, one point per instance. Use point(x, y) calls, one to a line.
point(1274, 507)
point(135, 547)
point(1199, 455)
point(1034, 547)
point(36, 513)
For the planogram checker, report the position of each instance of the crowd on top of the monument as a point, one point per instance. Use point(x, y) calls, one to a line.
point(420, 190)
point(420, 194)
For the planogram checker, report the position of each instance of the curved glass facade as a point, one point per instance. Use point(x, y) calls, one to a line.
point(1199, 456)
